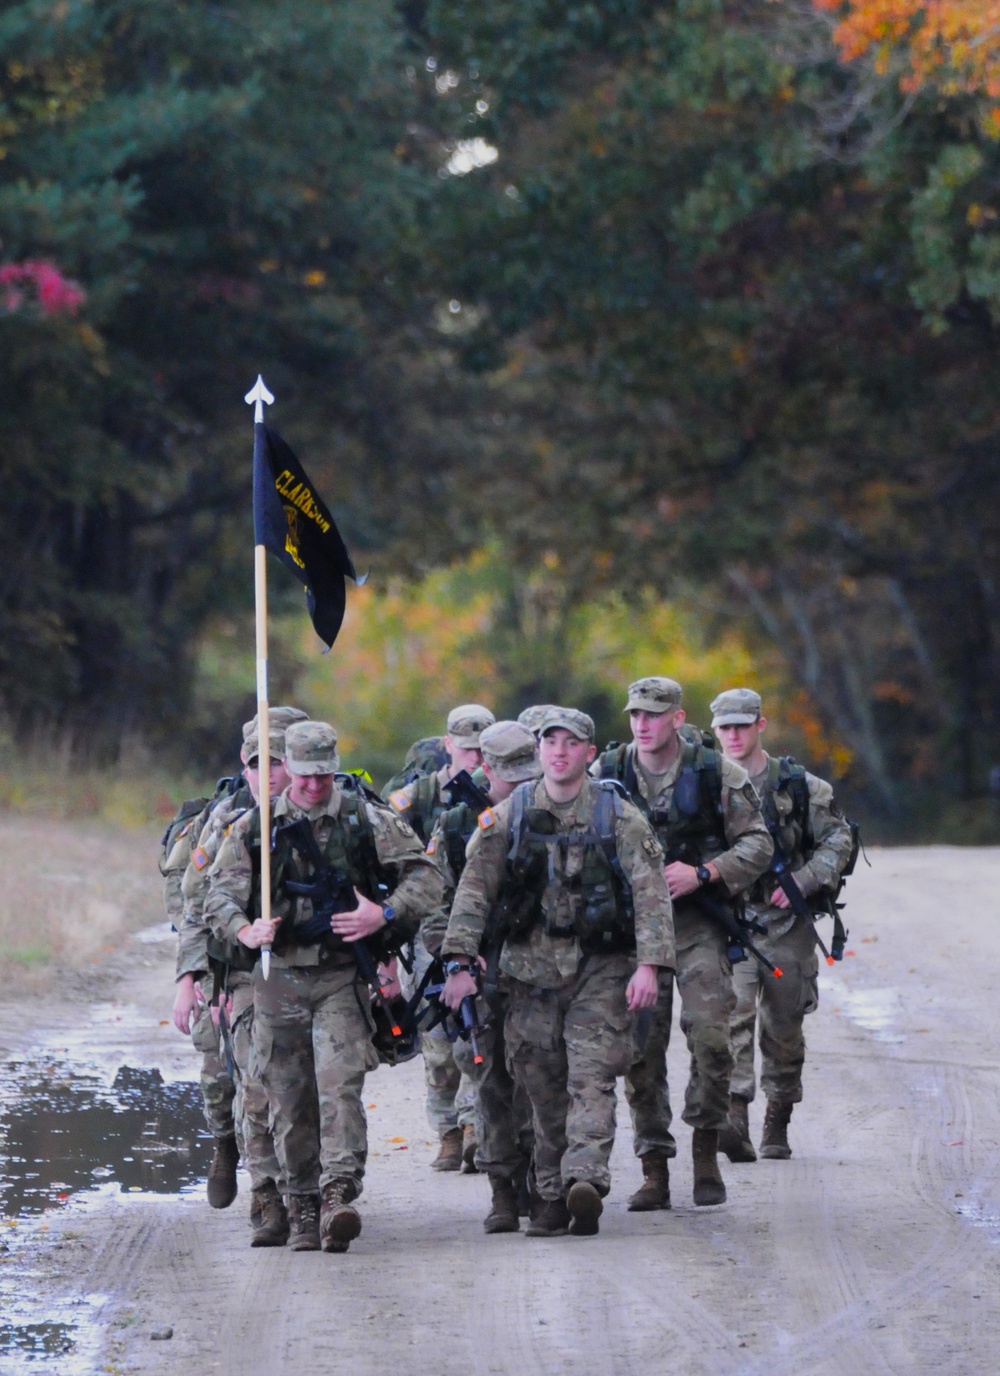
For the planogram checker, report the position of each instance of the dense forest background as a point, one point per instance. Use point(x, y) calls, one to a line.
point(621, 338)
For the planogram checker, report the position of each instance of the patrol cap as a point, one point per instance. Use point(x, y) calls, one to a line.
point(511, 751)
point(311, 748)
point(251, 746)
point(736, 707)
point(578, 723)
point(653, 695)
point(531, 716)
point(278, 719)
point(466, 724)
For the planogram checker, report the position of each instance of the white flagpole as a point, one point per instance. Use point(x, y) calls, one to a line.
point(259, 397)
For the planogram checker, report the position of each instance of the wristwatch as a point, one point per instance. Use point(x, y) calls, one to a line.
point(454, 967)
point(388, 912)
point(704, 875)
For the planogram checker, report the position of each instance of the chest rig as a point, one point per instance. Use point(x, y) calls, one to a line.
point(691, 828)
point(603, 912)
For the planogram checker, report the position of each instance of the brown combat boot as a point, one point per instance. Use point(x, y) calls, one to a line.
point(469, 1145)
point(503, 1216)
point(339, 1223)
point(708, 1186)
point(303, 1218)
point(734, 1139)
point(221, 1183)
point(551, 1219)
point(774, 1139)
point(449, 1157)
point(654, 1192)
point(585, 1208)
point(269, 1217)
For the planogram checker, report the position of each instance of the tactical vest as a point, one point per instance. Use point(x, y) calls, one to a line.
point(456, 826)
point(605, 917)
point(349, 847)
point(692, 828)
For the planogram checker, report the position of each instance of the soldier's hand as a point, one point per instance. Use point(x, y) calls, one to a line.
point(681, 879)
point(780, 899)
point(187, 1001)
point(642, 989)
point(259, 933)
point(458, 987)
point(363, 921)
point(388, 975)
point(226, 1002)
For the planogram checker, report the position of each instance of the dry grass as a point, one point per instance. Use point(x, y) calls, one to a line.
point(69, 892)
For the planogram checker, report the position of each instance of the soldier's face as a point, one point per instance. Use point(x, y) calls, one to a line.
point(740, 740)
point(564, 756)
point(654, 731)
point(499, 788)
point(310, 790)
point(463, 757)
point(279, 778)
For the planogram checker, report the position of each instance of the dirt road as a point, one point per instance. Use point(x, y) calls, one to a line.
point(875, 1249)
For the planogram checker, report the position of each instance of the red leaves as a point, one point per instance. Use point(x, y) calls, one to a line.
point(55, 294)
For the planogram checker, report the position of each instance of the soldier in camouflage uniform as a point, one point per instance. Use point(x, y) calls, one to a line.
point(532, 717)
point(268, 1217)
point(450, 1094)
point(707, 817)
point(503, 1118)
point(570, 860)
point(816, 843)
point(313, 1027)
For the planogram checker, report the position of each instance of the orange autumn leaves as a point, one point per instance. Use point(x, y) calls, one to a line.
point(951, 44)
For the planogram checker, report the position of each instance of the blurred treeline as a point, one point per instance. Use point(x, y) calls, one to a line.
point(661, 331)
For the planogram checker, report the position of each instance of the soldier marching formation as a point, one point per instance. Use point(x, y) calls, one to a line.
point(540, 901)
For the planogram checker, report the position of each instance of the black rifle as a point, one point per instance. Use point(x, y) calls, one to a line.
point(331, 891)
point(781, 871)
point(464, 789)
point(465, 1023)
point(738, 930)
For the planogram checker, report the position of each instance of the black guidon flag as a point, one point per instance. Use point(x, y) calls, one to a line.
point(293, 522)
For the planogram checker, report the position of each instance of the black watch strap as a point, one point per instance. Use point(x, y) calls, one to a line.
point(704, 876)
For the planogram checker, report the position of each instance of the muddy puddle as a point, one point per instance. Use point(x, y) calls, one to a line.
point(64, 1130)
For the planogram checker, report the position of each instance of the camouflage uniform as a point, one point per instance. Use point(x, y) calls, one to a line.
point(450, 1102)
point(312, 1031)
point(217, 1091)
point(704, 973)
point(568, 1028)
point(790, 944)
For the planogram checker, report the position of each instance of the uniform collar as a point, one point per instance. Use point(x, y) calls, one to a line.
point(284, 807)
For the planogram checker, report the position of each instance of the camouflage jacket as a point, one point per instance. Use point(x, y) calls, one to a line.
point(194, 931)
point(749, 847)
point(814, 869)
point(230, 886)
point(545, 960)
point(420, 801)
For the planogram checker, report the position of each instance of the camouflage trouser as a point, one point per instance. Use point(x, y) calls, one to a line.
point(450, 1092)
point(783, 1003)
point(312, 1038)
point(502, 1112)
point(251, 1099)
point(705, 986)
point(646, 1088)
point(566, 1047)
point(217, 1089)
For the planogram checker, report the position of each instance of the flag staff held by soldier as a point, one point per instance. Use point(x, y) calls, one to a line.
point(291, 521)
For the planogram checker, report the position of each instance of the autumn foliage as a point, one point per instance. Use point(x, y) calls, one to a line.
point(38, 282)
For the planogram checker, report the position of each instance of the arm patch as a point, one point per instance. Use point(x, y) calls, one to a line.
point(198, 858)
point(486, 819)
point(399, 800)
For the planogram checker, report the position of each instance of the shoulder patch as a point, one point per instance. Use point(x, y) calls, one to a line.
point(399, 800)
point(198, 858)
point(183, 831)
point(403, 828)
point(650, 845)
point(486, 819)
point(432, 845)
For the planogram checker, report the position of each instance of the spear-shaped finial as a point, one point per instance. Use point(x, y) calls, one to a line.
point(258, 397)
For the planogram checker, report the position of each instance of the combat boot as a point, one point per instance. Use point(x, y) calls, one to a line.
point(585, 1208)
point(469, 1146)
point(551, 1219)
point(449, 1157)
point(503, 1216)
point(269, 1217)
point(221, 1183)
point(708, 1186)
point(734, 1139)
point(654, 1192)
point(339, 1223)
point(774, 1139)
point(303, 1218)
